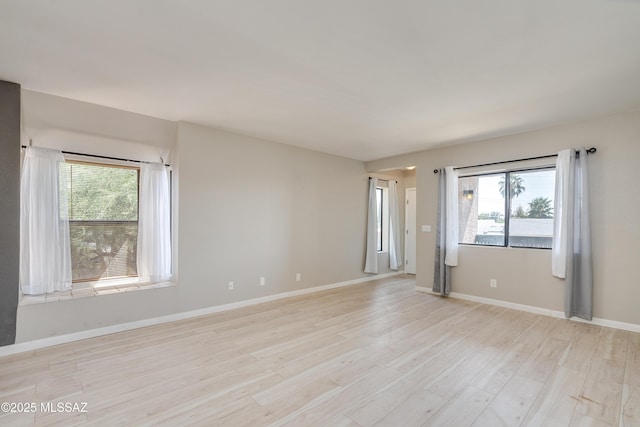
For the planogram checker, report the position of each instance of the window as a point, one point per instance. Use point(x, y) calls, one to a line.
point(379, 201)
point(518, 215)
point(103, 220)
point(382, 200)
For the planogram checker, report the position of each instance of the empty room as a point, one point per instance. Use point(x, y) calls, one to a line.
point(319, 213)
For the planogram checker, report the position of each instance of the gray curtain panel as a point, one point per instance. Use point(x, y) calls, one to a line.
point(579, 278)
point(442, 272)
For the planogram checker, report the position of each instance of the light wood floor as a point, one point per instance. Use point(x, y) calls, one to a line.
point(378, 353)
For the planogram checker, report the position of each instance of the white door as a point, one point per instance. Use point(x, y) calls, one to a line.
point(410, 231)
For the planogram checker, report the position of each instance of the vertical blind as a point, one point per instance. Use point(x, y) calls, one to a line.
point(103, 220)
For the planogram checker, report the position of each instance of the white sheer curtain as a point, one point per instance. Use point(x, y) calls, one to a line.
point(395, 260)
point(154, 224)
point(571, 248)
point(371, 260)
point(560, 217)
point(446, 230)
point(452, 216)
point(45, 252)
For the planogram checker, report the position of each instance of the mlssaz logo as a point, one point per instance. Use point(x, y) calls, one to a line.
point(63, 407)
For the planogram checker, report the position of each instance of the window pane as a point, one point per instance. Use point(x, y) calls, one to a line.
point(103, 250)
point(102, 193)
point(481, 210)
point(531, 220)
point(379, 207)
point(103, 220)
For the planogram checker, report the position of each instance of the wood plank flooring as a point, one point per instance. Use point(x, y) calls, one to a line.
point(378, 353)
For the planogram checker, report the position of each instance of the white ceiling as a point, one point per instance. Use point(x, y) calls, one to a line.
point(364, 79)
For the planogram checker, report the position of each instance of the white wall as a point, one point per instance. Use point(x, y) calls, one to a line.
point(524, 274)
point(243, 208)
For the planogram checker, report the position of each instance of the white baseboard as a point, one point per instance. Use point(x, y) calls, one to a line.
point(632, 327)
point(92, 333)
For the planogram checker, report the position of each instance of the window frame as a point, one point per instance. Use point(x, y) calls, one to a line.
point(98, 280)
point(507, 203)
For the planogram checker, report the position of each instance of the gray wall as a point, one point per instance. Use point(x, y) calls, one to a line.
point(524, 275)
point(9, 209)
point(251, 208)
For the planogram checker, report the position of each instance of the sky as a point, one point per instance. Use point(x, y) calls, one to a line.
point(538, 183)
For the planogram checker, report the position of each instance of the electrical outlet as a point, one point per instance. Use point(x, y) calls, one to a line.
point(493, 283)
point(230, 286)
point(298, 277)
point(263, 281)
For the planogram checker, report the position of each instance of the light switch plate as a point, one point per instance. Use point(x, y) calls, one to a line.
point(426, 228)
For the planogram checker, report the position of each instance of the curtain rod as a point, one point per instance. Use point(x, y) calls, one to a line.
point(591, 150)
point(107, 157)
point(380, 179)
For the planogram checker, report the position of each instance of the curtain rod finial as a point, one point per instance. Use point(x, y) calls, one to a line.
point(435, 171)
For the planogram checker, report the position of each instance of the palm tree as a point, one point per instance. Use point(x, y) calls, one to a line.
point(517, 185)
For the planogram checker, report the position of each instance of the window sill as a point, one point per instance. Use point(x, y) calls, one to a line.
point(92, 290)
point(473, 245)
